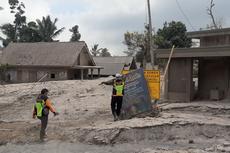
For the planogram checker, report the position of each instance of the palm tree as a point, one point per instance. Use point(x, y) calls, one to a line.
point(9, 31)
point(95, 51)
point(105, 53)
point(47, 29)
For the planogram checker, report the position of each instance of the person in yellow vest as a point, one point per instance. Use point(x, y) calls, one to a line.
point(117, 95)
point(41, 109)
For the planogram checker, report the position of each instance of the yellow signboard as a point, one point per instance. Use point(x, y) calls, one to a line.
point(153, 79)
point(125, 71)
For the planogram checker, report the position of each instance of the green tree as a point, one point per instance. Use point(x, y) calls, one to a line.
point(28, 34)
point(95, 51)
point(47, 29)
point(105, 53)
point(138, 45)
point(11, 30)
point(75, 33)
point(17, 10)
point(173, 33)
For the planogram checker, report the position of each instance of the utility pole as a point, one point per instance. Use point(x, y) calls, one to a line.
point(151, 41)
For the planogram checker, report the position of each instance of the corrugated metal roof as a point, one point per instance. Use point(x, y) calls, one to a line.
point(118, 59)
point(109, 69)
point(112, 65)
point(42, 54)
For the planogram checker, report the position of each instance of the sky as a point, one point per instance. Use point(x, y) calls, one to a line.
point(104, 22)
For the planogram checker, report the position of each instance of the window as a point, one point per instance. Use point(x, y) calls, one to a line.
point(52, 76)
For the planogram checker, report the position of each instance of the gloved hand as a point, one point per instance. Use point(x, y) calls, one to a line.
point(56, 113)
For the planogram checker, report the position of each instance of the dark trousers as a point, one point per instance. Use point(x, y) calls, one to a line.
point(44, 122)
point(117, 100)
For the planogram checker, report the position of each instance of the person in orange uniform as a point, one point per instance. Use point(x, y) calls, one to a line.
point(41, 109)
point(117, 95)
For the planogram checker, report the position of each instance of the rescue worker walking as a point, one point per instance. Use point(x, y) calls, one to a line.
point(117, 95)
point(41, 109)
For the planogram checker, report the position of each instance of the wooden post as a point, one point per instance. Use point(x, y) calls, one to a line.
point(166, 70)
point(91, 73)
point(82, 72)
point(99, 75)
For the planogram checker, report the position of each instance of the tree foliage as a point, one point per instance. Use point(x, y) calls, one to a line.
point(11, 30)
point(28, 33)
point(75, 33)
point(95, 51)
point(105, 53)
point(173, 33)
point(47, 29)
point(17, 9)
point(21, 31)
point(138, 45)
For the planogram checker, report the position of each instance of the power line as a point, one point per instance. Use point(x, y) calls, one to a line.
point(185, 15)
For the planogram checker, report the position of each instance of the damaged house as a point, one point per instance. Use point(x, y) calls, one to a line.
point(212, 60)
point(29, 62)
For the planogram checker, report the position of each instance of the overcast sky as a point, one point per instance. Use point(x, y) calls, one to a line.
point(104, 22)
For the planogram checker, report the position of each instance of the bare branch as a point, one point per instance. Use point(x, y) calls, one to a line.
point(209, 12)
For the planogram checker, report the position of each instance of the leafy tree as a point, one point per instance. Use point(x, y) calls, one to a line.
point(105, 53)
point(8, 30)
point(28, 34)
point(95, 51)
point(47, 29)
point(138, 43)
point(75, 33)
point(11, 30)
point(173, 33)
point(140, 57)
point(17, 9)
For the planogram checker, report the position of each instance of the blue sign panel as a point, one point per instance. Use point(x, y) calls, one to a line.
point(136, 94)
